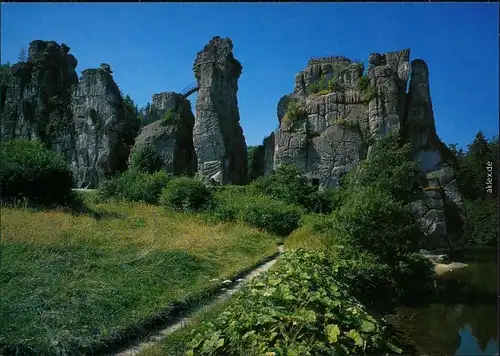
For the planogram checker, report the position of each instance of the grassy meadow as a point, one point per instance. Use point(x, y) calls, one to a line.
point(72, 281)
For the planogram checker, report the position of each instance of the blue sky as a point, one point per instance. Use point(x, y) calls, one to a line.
point(151, 48)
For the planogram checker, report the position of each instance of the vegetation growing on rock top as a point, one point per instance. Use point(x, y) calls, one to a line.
point(295, 111)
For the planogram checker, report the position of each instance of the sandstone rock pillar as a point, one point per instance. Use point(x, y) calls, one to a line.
point(217, 136)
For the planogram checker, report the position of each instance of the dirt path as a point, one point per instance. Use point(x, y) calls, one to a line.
point(224, 293)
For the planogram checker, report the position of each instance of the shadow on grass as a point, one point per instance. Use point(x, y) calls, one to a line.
point(75, 206)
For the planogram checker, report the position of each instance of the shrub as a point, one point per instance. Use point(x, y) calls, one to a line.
point(290, 185)
point(389, 168)
point(30, 171)
point(371, 220)
point(256, 210)
point(482, 215)
point(146, 159)
point(295, 111)
point(134, 186)
point(271, 215)
point(369, 92)
point(168, 117)
point(185, 194)
point(297, 308)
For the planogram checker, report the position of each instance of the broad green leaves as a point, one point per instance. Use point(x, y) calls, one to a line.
point(297, 308)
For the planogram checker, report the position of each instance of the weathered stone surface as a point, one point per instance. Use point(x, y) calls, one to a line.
point(330, 141)
point(217, 136)
point(172, 139)
point(388, 74)
point(335, 135)
point(435, 161)
point(104, 133)
point(37, 97)
point(268, 144)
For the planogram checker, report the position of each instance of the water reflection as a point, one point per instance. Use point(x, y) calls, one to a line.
point(464, 318)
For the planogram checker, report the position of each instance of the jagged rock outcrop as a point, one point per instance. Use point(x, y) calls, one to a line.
point(330, 139)
point(340, 122)
point(440, 209)
point(217, 136)
point(83, 119)
point(37, 98)
point(171, 133)
point(105, 133)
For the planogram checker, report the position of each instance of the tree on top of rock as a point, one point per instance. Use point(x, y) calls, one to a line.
point(106, 67)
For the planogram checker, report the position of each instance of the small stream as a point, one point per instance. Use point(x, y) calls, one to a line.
point(462, 318)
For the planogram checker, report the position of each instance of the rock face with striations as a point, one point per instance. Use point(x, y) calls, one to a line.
point(330, 138)
point(171, 133)
point(217, 136)
point(440, 208)
point(342, 112)
point(37, 97)
point(105, 134)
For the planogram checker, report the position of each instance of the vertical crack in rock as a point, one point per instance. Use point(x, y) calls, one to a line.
point(217, 136)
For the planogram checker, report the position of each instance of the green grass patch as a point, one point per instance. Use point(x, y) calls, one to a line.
point(71, 282)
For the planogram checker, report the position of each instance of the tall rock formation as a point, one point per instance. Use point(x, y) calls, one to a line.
point(85, 120)
point(217, 136)
point(337, 114)
point(330, 139)
point(440, 209)
point(170, 133)
point(37, 98)
point(105, 133)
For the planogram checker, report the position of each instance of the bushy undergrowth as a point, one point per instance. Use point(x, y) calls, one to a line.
point(482, 215)
point(288, 184)
point(145, 159)
point(295, 111)
point(298, 308)
point(30, 171)
point(256, 210)
point(185, 194)
point(134, 186)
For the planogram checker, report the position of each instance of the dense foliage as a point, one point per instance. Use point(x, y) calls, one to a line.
point(145, 159)
point(135, 186)
point(288, 184)
point(298, 308)
point(477, 172)
point(185, 194)
point(295, 111)
point(30, 171)
point(256, 210)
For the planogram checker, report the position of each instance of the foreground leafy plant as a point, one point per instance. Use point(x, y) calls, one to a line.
point(297, 308)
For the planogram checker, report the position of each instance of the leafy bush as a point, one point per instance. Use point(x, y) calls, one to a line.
point(30, 171)
point(369, 92)
point(295, 111)
point(134, 186)
point(322, 87)
point(185, 194)
point(146, 159)
point(273, 216)
point(482, 215)
point(389, 168)
point(168, 117)
point(255, 210)
point(290, 185)
point(296, 308)
point(371, 220)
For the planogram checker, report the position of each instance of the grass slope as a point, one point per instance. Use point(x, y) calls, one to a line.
point(71, 281)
